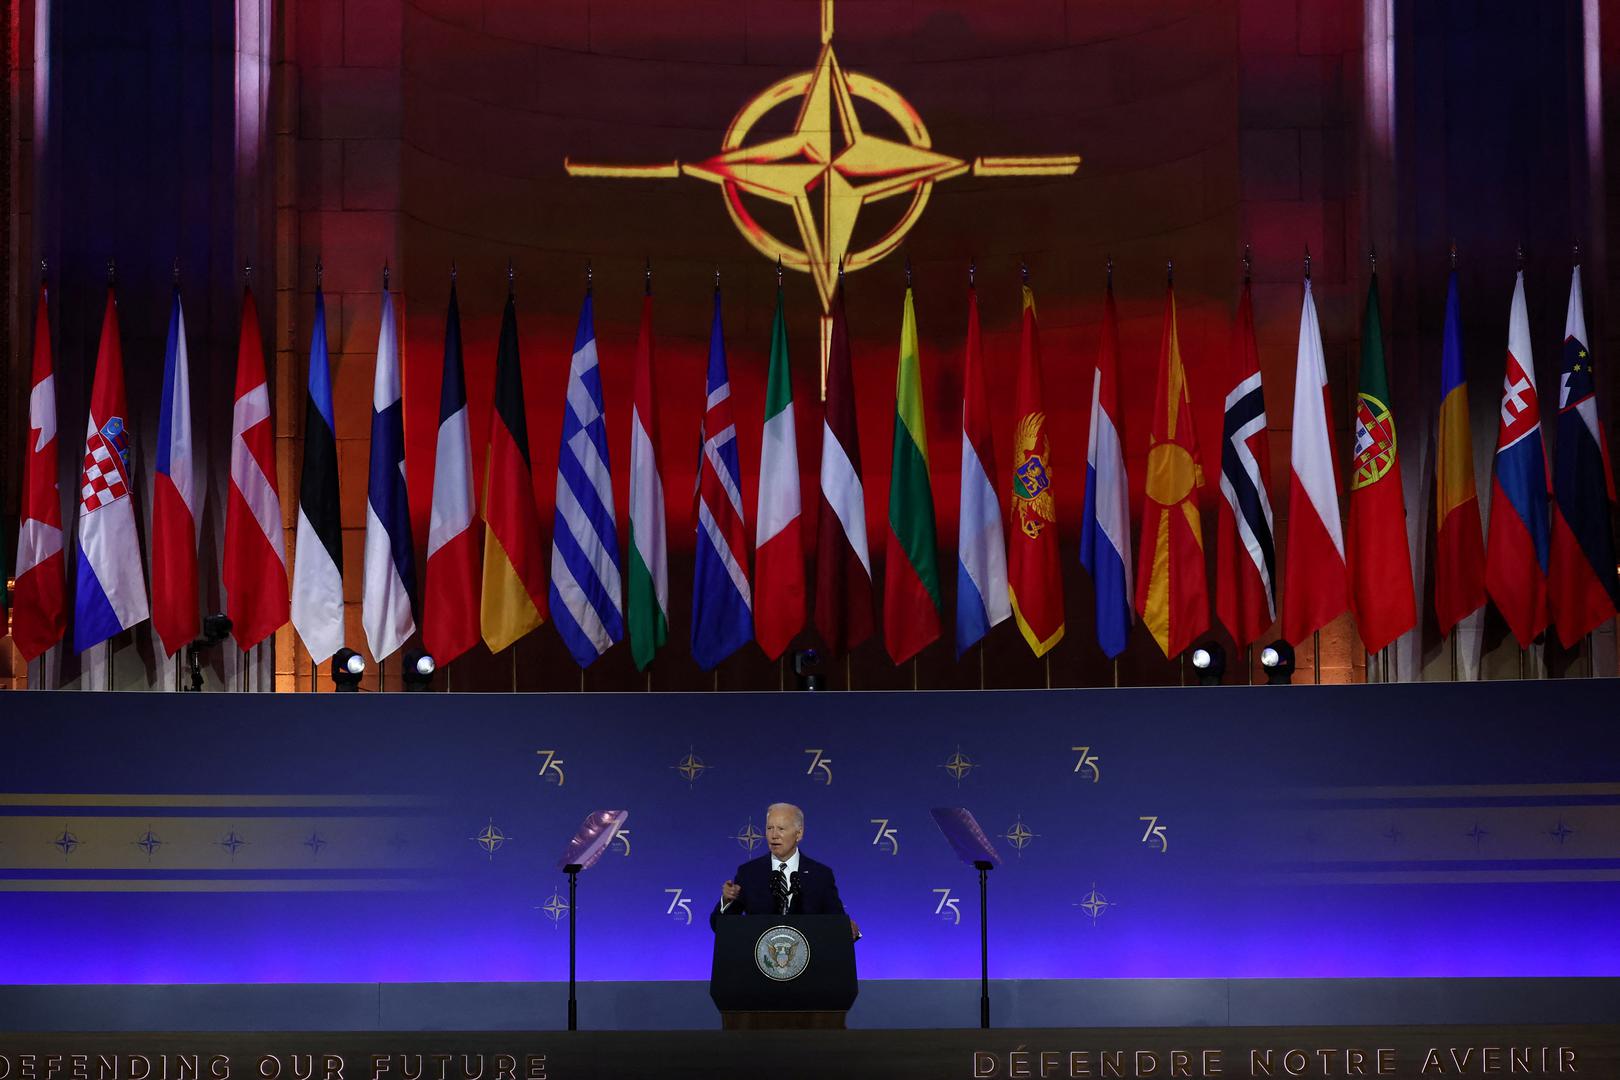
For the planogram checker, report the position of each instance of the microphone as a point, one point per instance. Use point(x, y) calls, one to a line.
point(793, 889)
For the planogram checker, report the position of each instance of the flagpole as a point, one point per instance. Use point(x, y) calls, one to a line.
point(981, 665)
point(1116, 673)
point(1316, 657)
point(1248, 664)
point(1047, 661)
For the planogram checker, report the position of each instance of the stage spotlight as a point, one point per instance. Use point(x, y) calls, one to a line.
point(807, 667)
point(1278, 661)
point(419, 669)
point(347, 667)
point(1209, 660)
point(215, 629)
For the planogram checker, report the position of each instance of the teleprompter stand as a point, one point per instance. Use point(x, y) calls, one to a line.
point(972, 846)
point(588, 845)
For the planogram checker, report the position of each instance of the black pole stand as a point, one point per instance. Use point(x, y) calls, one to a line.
point(984, 941)
point(572, 870)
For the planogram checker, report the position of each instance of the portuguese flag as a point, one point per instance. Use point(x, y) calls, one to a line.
point(911, 603)
point(1381, 593)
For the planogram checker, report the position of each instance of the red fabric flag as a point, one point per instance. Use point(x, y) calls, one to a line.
point(39, 601)
point(1034, 574)
point(843, 566)
point(1245, 546)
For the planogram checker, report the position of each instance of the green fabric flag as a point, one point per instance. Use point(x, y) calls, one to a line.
point(911, 597)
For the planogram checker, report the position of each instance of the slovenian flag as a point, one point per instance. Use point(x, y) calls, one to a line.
point(174, 499)
point(111, 588)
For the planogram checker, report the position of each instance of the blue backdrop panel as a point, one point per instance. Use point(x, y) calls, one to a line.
point(1204, 832)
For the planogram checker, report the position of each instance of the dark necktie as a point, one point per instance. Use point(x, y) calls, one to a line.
point(779, 889)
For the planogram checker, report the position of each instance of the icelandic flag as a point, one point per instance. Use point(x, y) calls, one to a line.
point(587, 591)
point(722, 602)
point(981, 546)
point(1105, 522)
point(1582, 590)
point(174, 499)
point(317, 589)
point(111, 590)
point(1516, 545)
point(390, 562)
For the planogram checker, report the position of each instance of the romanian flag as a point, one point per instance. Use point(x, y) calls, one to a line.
point(515, 578)
point(1034, 574)
point(911, 599)
point(1459, 558)
point(1172, 591)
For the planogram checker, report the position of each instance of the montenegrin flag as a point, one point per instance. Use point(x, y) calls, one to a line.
point(450, 591)
point(39, 601)
point(779, 597)
point(255, 563)
point(1245, 545)
point(1105, 523)
point(843, 564)
point(1518, 541)
point(648, 600)
point(1034, 573)
point(1315, 580)
point(981, 546)
point(1380, 563)
point(911, 597)
point(1459, 558)
point(722, 602)
point(111, 589)
point(1583, 591)
point(1172, 590)
point(513, 596)
point(317, 587)
point(387, 604)
point(174, 498)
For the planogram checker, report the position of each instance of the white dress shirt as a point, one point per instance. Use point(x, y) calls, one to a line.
point(789, 867)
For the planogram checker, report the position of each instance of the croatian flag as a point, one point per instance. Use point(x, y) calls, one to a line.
point(174, 499)
point(111, 590)
point(390, 562)
point(1105, 523)
point(587, 590)
point(981, 546)
point(1516, 545)
point(722, 602)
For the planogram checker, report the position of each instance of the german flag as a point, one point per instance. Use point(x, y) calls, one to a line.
point(514, 593)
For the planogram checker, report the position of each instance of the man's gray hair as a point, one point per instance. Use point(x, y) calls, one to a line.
point(789, 808)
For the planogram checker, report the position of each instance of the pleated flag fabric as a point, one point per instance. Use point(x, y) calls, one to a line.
point(387, 607)
point(39, 601)
point(175, 614)
point(648, 599)
point(587, 590)
point(981, 544)
point(911, 596)
point(1105, 522)
point(779, 596)
point(722, 601)
point(843, 565)
point(317, 589)
point(450, 592)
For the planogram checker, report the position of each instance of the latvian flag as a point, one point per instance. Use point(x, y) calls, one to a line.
point(843, 566)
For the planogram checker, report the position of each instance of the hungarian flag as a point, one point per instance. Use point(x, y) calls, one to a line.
point(1518, 540)
point(1245, 545)
point(513, 600)
point(648, 601)
point(1172, 592)
point(1459, 558)
point(1380, 563)
point(1034, 574)
point(1583, 591)
point(39, 600)
point(255, 564)
point(911, 600)
point(317, 588)
point(110, 593)
point(1315, 579)
point(449, 602)
point(843, 566)
point(981, 547)
point(174, 498)
point(778, 534)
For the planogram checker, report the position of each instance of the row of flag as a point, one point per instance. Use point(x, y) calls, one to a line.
point(1548, 557)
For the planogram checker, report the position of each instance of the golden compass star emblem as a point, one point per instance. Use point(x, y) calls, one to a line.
point(829, 168)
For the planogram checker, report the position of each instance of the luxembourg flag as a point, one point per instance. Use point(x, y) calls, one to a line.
point(390, 561)
point(1105, 524)
point(174, 499)
point(981, 546)
point(110, 596)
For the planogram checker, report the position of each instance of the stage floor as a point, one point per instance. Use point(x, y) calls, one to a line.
point(1136, 1053)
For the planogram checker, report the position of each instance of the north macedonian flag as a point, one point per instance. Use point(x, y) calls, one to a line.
point(1034, 574)
point(1172, 588)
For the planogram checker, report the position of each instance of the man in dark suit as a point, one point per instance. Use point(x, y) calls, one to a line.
point(784, 881)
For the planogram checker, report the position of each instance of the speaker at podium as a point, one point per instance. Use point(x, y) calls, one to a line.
point(783, 971)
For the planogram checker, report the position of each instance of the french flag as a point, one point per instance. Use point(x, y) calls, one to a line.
point(110, 596)
point(1516, 547)
point(255, 563)
point(1105, 523)
point(450, 603)
point(174, 499)
point(981, 549)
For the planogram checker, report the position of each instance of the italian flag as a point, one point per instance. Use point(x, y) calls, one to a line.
point(649, 555)
point(778, 544)
point(911, 603)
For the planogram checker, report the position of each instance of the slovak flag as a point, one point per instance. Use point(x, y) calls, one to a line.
point(174, 499)
point(110, 596)
point(1516, 546)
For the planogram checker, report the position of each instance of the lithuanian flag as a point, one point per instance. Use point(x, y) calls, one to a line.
point(911, 600)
